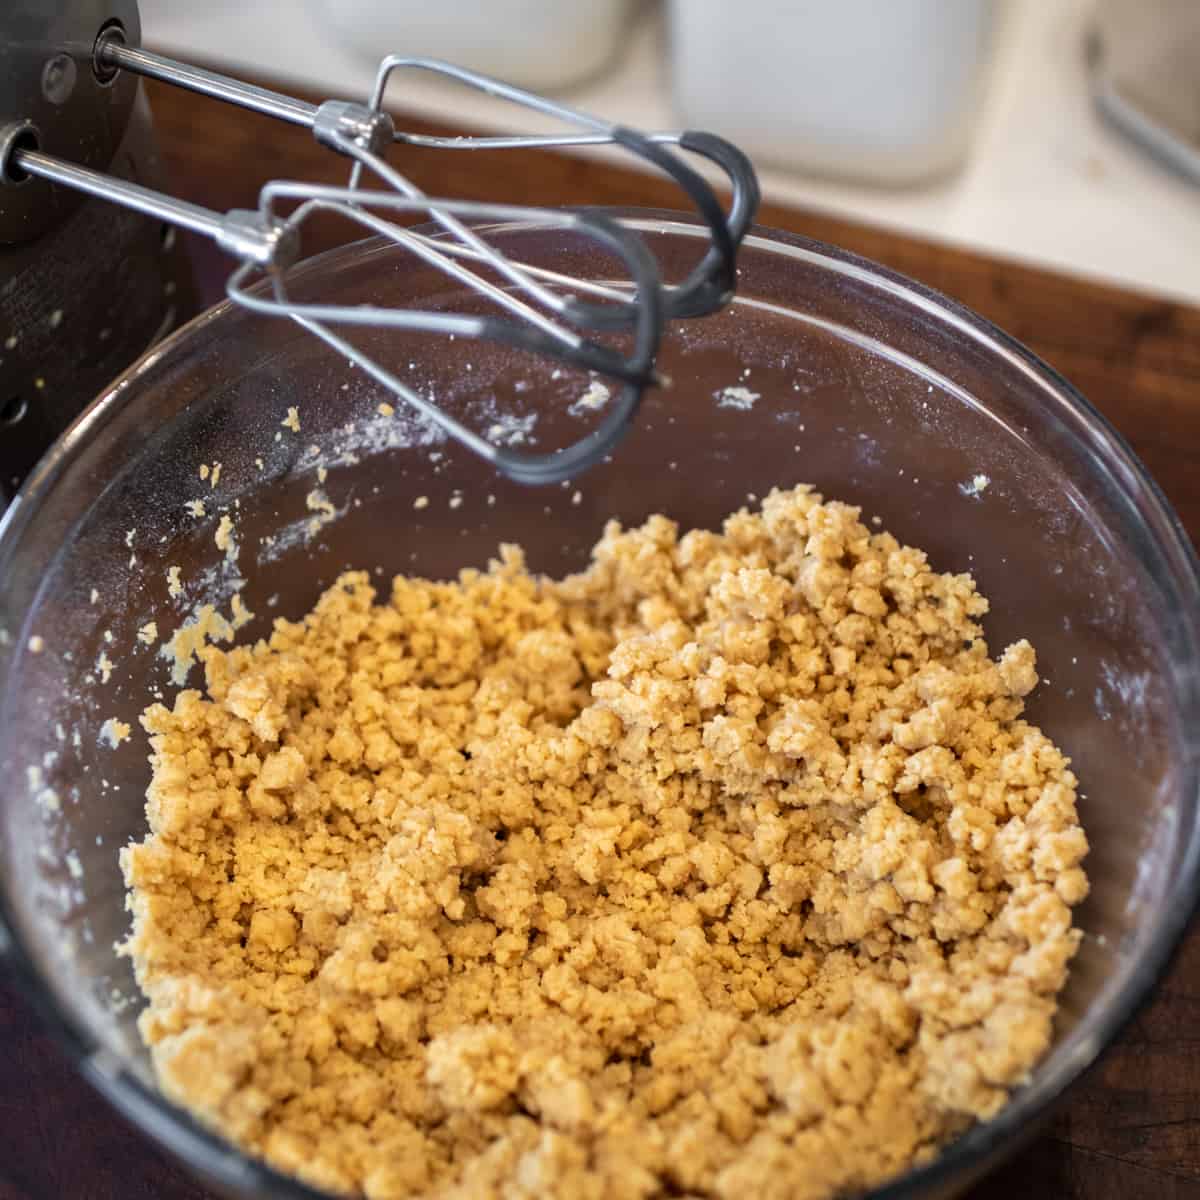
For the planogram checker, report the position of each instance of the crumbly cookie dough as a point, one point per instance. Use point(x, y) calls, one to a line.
point(727, 867)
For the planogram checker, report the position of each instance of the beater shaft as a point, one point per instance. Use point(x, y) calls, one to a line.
point(542, 311)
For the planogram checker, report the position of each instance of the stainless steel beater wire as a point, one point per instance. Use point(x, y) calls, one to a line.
point(484, 83)
point(363, 157)
point(523, 141)
point(494, 259)
point(426, 407)
point(545, 468)
point(211, 224)
point(390, 318)
point(114, 52)
point(605, 291)
point(686, 177)
point(703, 289)
point(449, 323)
point(434, 253)
point(610, 234)
point(349, 203)
point(130, 195)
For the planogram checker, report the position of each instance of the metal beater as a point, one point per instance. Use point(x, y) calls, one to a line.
point(612, 329)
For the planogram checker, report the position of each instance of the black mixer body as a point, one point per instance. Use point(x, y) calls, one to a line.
point(85, 286)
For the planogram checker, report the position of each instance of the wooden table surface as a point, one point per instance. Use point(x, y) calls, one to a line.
point(1131, 1129)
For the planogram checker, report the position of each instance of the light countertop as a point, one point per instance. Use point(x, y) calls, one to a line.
point(1047, 181)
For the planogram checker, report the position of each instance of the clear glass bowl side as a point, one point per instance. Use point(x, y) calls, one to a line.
point(863, 384)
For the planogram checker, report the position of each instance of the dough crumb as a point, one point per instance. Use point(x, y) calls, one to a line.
point(318, 502)
point(593, 400)
point(292, 420)
point(148, 633)
point(113, 733)
point(736, 397)
point(191, 640)
point(728, 866)
point(511, 430)
point(224, 537)
point(239, 614)
point(174, 583)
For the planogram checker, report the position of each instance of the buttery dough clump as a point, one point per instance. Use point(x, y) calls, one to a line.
point(727, 867)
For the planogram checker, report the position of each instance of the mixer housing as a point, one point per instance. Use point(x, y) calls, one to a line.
point(84, 288)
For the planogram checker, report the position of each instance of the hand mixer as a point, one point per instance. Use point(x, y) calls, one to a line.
point(611, 328)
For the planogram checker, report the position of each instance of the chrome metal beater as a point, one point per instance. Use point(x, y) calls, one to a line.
point(545, 312)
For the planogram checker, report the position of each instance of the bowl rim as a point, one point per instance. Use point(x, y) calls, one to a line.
point(961, 1161)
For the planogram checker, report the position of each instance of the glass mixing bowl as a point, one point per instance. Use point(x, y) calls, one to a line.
point(866, 385)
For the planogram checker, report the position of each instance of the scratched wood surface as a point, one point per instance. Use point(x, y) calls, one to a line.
point(1131, 1129)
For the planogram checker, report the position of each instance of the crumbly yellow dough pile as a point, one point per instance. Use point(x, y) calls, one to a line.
point(724, 868)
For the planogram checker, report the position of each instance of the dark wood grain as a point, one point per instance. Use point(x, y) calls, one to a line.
point(1131, 1129)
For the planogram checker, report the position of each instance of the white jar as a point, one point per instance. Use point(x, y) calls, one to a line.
point(537, 44)
point(878, 90)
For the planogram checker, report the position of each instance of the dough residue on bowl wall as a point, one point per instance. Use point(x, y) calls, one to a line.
point(726, 866)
